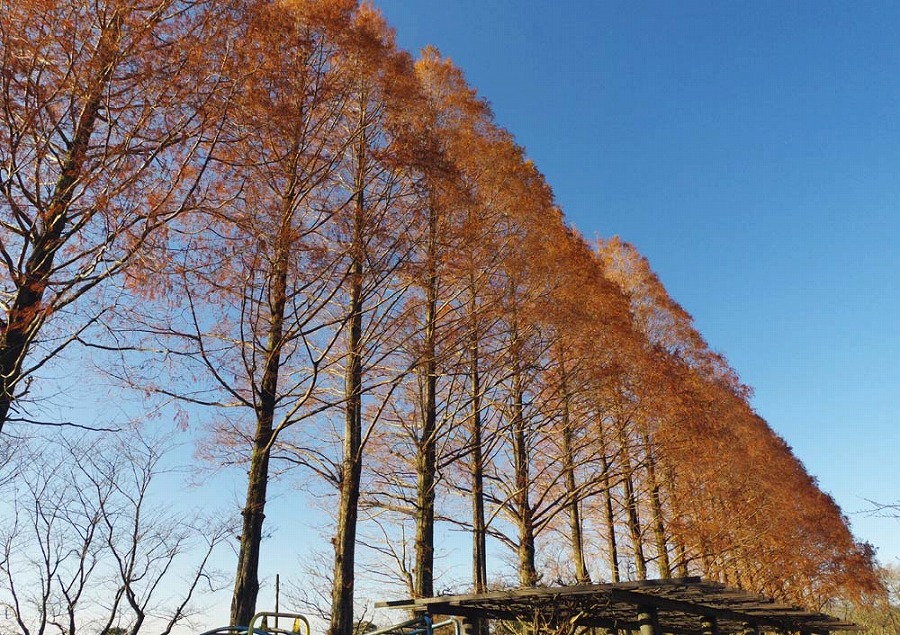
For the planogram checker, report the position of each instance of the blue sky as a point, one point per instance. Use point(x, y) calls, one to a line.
point(751, 150)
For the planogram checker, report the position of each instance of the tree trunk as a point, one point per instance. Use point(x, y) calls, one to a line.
point(612, 548)
point(342, 590)
point(426, 461)
point(246, 583)
point(342, 622)
point(682, 564)
point(576, 531)
point(479, 531)
point(631, 509)
point(525, 515)
point(659, 529)
point(681, 557)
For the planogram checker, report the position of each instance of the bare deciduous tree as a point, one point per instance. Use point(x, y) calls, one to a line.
point(88, 542)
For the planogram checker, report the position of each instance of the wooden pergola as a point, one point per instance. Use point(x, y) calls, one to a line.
point(680, 606)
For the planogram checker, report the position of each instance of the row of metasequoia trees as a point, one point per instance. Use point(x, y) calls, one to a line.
point(330, 255)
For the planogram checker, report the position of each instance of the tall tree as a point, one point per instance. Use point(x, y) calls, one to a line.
point(254, 274)
point(103, 113)
point(472, 144)
point(282, 147)
point(385, 156)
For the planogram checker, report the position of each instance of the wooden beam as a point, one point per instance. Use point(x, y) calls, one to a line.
point(681, 604)
point(689, 608)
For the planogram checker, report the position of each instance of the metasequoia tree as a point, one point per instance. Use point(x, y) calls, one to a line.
point(255, 273)
point(385, 160)
point(495, 177)
point(528, 282)
point(451, 109)
point(477, 152)
point(280, 152)
point(313, 174)
point(739, 503)
point(102, 119)
point(426, 412)
point(428, 275)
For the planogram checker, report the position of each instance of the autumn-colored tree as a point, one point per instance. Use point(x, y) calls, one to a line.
point(740, 506)
point(282, 153)
point(426, 412)
point(528, 281)
point(254, 274)
point(104, 118)
point(386, 157)
point(475, 148)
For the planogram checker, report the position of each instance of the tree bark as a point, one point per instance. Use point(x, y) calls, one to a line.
point(426, 461)
point(659, 529)
point(681, 557)
point(479, 531)
point(524, 514)
point(631, 509)
point(246, 583)
point(342, 593)
point(612, 548)
point(342, 622)
point(576, 531)
point(682, 564)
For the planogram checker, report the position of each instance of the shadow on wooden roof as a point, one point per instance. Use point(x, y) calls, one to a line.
point(679, 606)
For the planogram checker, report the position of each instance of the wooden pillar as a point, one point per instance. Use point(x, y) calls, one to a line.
point(648, 620)
point(708, 625)
point(474, 626)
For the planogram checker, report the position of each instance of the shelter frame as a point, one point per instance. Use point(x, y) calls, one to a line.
point(678, 606)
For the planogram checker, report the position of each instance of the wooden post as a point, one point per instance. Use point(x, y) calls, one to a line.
point(648, 620)
point(474, 626)
point(708, 626)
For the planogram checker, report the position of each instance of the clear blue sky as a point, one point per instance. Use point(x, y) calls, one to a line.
point(751, 150)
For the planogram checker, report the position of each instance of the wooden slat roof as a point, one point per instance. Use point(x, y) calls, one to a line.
point(681, 605)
